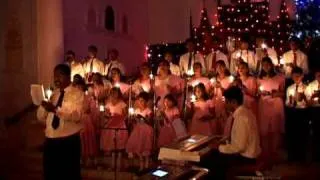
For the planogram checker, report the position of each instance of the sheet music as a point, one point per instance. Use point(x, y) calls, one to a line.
point(37, 94)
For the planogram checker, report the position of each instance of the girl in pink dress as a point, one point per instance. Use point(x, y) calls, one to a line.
point(271, 110)
point(143, 84)
point(116, 82)
point(249, 87)
point(223, 81)
point(165, 83)
point(114, 139)
point(89, 145)
point(170, 113)
point(202, 109)
point(198, 78)
point(141, 138)
point(97, 95)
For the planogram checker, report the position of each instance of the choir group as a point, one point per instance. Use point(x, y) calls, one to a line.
point(139, 115)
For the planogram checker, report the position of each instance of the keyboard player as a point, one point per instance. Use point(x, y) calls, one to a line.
point(244, 144)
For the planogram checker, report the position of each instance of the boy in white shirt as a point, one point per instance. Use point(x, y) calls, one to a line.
point(313, 97)
point(243, 54)
point(113, 62)
point(92, 64)
point(188, 59)
point(295, 58)
point(297, 124)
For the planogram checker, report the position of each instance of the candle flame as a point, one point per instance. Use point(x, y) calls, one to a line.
point(131, 111)
point(264, 46)
point(261, 88)
point(231, 78)
point(213, 80)
point(190, 72)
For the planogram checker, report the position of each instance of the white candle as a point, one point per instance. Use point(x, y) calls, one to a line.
point(261, 88)
point(281, 61)
point(193, 98)
point(117, 85)
point(131, 111)
point(238, 55)
point(213, 80)
point(264, 46)
point(86, 93)
point(48, 94)
point(151, 76)
point(101, 108)
point(231, 78)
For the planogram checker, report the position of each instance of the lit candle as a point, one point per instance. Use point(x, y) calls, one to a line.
point(101, 108)
point(231, 79)
point(48, 94)
point(86, 93)
point(131, 111)
point(213, 80)
point(264, 46)
point(281, 61)
point(193, 98)
point(316, 99)
point(190, 72)
point(117, 85)
point(238, 55)
point(151, 76)
point(261, 88)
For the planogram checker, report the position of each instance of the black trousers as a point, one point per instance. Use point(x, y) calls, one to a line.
point(297, 131)
point(219, 164)
point(61, 158)
point(315, 119)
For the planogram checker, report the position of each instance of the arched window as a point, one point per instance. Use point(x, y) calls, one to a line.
point(92, 18)
point(109, 19)
point(125, 24)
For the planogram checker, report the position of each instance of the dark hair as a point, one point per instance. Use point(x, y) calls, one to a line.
point(77, 78)
point(272, 72)
point(164, 62)
point(70, 52)
point(117, 90)
point(93, 48)
point(145, 64)
point(222, 63)
point(297, 70)
point(117, 70)
point(79, 81)
point(234, 93)
point(114, 50)
point(171, 98)
point(245, 65)
point(189, 40)
point(100, 78)
point(201, 86)
point(316, 70)
point(63, 69)
point(144, 96)
point(197, 63)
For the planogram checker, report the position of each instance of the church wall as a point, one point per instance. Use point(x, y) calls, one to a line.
point(81, 30)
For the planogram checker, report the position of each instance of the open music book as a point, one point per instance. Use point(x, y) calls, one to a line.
point(37, 94)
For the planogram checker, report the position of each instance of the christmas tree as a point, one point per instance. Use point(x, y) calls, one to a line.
point(243, 17)
point(203, 34)
point(281, 29)
point(307, 19)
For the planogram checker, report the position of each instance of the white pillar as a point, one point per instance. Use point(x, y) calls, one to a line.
point(49, 38)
